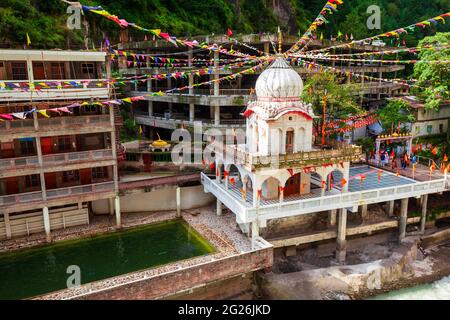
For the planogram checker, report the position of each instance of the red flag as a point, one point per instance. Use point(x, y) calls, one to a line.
point(323, 184)
point(392, 153)
point(281, 189)
point(434, 151)
point(361, 179)
point(225, 174)
point(303, 187)
point(233, 181)
point(445, 158)
point(259, 193)
point(291, 172)
point(229, 32)
point(211, 165)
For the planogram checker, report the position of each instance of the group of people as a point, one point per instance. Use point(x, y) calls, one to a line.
point(405, 159)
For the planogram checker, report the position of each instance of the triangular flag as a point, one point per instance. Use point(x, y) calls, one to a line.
point(229, 32)
point(44, 113)
point(28, 40)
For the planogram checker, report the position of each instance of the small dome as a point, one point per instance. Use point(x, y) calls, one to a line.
point(159, 142)
point(280, 80)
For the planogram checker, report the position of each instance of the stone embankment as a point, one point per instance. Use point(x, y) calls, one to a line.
point(408, 265)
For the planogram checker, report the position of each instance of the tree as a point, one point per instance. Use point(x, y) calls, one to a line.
point(340, 98)
point(433, 77)
point(396, 111)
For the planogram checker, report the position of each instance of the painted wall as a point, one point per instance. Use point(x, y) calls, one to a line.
point(163, 199)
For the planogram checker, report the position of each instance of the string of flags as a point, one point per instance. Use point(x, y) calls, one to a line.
point(376, 60)
point(330, 7)
point(395, 33)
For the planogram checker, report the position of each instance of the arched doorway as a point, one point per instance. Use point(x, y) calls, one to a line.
point(292, 186)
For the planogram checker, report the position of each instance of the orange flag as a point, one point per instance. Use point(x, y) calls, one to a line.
point(361, 179)
point(259, 193)
point(445, 158)
point(344, 182)
point(379, 176)
point(434, 151)
point(323, 184)
point(303, 187)
point(233, 181)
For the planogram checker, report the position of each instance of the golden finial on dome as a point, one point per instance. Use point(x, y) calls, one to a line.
point(280, 41)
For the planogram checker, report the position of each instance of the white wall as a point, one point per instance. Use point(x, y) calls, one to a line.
point(158, 200)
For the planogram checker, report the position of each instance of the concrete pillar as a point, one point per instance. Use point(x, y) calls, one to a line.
point(150, 108)
point(46, 217)
point(267, 47)
point(41, 162)
point(216, 73)
point(191, 112)
point(332, 215)
point(341, 245)
point(178, 196)
point(364, 212)
point(391, 206)
point(403, 219)
point(218, 207)
point(423, 220)
point(111, 206)
point(7, 226)
point(217, 115)
point(118, 214)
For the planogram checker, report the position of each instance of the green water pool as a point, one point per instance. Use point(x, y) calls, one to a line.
point(30, 272)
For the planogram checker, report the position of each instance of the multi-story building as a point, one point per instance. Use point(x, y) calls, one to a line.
point(57, 140)
point(221, 105)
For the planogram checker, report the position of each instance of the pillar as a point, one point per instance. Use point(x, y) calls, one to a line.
point(111, 206)
point(403, 219)
point(391, 206)
point(118, 214)
point(178, 196)
point(424, 213)
point(216, 73)
point(364, 212)
point(341, 245)
point(267, 47)
point(7, 226)
point(191, 112)
point(218, 207)
point(217, 114)
point(46, 217)
point(150, 108)
point(332, 215)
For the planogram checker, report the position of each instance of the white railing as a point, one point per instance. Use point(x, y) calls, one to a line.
point(18, 162)
point(20, 198)
point(310, 205)
point(77, 156)
point(74, 120)
point(77, 190)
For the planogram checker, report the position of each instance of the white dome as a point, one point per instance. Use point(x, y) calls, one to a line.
point(280, 80)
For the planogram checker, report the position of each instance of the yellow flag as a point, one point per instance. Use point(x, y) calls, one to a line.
point(140, 130)
point(28, 40)
point(44, 113)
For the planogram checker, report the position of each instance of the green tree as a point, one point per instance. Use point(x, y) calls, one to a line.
point(340, 98)
point(396, 111)
point(434, 78)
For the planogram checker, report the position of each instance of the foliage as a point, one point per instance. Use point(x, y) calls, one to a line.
point(45, 21)
point(394, 112)
point(367, 144)
point(341, 102)
point(435, 78)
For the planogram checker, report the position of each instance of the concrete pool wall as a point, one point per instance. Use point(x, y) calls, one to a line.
point(162, 199)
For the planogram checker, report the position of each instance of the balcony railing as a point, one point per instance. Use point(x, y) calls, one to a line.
point(18, 162)
point(174, 118)
point(28, 124)
point(24, 198)
point(68, 157)
point(239, 155)
point(19, 90)
point(206, 92)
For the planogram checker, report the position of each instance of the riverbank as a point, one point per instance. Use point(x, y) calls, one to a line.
point(399, 266)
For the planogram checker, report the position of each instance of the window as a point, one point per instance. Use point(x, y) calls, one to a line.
point(131, 157)
point(87, 68)
point(19, 71)
point(64, 144)
point(90, 109)
point(58, 71)
point(1, 65)
point(32, 181)
point(441, 128)
point(71, 176)
point(430, 128)
point(27, 147)
point(99, 173)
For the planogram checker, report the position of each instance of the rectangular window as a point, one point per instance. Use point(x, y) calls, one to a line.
point(87, 68)
point(64, 144)
point(19, 70)
point(441, 128)
point(71, 176)
point(58, 70)
point(27, 147)
point(32, 181)
point(99, 173)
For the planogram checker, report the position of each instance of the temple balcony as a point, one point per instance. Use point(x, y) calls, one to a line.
point(205, 97)
point(54, 126)
point(86, 89)
point(341, 152)
point(55, 162)
point(390, 187)
point(34, 200)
